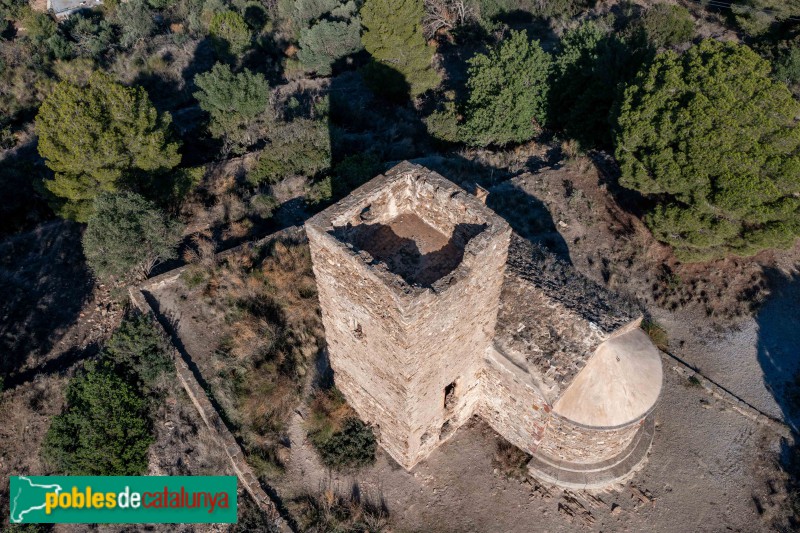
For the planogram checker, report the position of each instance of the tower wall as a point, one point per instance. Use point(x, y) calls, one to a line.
point(405, 353)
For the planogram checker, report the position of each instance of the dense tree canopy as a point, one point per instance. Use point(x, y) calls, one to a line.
point(326, 41)
point(101, 137)
point(234, 102)
point(590, 71)
point(126, 236)
point(714, 141)
point(507, 92)
point(104, 430)
point(393, 36)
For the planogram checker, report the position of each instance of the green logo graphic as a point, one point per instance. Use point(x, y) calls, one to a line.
point(123, 499)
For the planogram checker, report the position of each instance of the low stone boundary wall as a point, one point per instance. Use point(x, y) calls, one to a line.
point(198, 395)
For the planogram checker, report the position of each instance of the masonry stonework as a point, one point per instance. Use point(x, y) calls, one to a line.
point(412, 272)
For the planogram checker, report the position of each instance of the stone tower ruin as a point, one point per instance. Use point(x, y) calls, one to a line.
point(412, 273)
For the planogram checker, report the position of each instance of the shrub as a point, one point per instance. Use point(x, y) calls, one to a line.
point(510, 460)
point(591, 69)
point(443, 125)
point(757, 17)
point(393, 36)
point(490, 10)
point(237, 104)
point(507, 92)
point(104, 429)
point(351, 447)
point(327, 41)
point(713, 141)
point(141, 352)
point(136, 20)
point(667, 25)
point(127, 236)
point(114, 137)
point(354, 171)
point(657, 334)
point(341, 439)
point(230, 33)
point(331, 512)
point(297, 148)
point(263, 205)
point(787, 66)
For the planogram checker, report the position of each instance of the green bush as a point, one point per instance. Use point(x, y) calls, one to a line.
point(507, 92)
point(263, 205)
point(126, 236)
point(757, 17)
point(354, 171)
point(325, 42)
point(787, 66)
point(353, 446)
point(326, 30)
point(136, 20)
point(104, 430)
point(713, 140)
point(237, 103)
point(667, 25)
point(590, 71)
point(393, 36)
point(230, 33)
point(443, 124)
point(341, 439)
point(491, 10)
point(140, 351)
point(297, 148)
point(657, 334)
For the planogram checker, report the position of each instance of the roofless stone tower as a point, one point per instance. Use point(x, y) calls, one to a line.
point(409, 270)
point(434, 311)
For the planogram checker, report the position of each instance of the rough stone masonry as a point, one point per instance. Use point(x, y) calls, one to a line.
point(434, 311)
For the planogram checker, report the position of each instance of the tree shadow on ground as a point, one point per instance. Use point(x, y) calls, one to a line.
point(23, 207)
point(45, 282)
point(779, 356)
point(779, 343)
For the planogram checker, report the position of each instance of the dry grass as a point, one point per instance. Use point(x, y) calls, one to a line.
point(331, 512)
point(329, 410)
point(272, 333)
point(510, 460)
point(657, 334)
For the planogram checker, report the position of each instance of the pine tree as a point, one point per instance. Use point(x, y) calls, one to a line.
point(237, 104)
point(101, 137)
point(393, 36)
point(507, 92)
point(715, 142)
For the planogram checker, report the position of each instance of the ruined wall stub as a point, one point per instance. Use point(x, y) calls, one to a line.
point(409, 269)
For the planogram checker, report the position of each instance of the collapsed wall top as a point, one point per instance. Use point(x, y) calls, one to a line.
point(416, 231)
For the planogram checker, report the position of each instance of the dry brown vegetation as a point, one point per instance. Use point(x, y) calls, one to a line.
point(510, 460)
point(330, 511)
point(271, 333)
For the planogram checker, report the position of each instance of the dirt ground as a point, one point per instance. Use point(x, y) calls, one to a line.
point(705, 472)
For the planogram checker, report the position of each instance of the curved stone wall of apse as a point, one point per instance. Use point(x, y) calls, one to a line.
point(602, 425)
